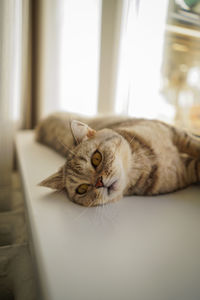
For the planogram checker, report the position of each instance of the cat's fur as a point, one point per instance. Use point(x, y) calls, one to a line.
point(139, 157)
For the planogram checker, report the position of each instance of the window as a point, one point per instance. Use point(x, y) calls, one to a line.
point(69, 56)
point(141, 59)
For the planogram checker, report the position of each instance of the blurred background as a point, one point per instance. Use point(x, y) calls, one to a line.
point(134, 57)
point(92, 57)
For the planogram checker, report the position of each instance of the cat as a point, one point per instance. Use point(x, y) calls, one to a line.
point(111, 157)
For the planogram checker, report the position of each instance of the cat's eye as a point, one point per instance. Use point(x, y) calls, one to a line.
point(96, 159)
point(82, 189)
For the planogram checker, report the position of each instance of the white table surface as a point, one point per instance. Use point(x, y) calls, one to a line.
point(140, 248)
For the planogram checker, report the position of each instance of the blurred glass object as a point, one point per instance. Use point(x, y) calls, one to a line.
point(193, 78)
point(160, 62)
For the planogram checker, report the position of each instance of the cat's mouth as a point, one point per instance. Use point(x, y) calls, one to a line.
point(112, 188)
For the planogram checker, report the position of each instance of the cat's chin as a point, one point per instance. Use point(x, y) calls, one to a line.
point(100, 202)
point(113, 197)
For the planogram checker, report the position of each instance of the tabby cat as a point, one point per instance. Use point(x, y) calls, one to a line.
point(108, 157)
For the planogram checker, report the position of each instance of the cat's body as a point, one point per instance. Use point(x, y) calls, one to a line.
point(118, 156)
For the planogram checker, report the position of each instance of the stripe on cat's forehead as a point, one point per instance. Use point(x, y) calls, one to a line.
point(71, 179)
point(75, 179)
point(82, 158)
point(76, 172)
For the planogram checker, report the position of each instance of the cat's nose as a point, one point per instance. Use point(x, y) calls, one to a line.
point(99, 183)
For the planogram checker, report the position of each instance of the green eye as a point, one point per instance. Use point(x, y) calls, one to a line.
point(82, 189)
point(96, 158)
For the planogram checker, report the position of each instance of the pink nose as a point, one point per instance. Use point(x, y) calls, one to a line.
point(99, 182)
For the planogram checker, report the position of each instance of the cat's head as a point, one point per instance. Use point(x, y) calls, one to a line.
point(95, 172)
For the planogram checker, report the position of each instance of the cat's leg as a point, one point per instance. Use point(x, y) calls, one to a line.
point(55, 132)
point(186, 143)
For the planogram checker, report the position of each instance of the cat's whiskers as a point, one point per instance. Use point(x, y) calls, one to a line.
point(59, 192)
point(65, 146)
point(132, 140)
point(115, 151)
point(140, 153)
point(68, 124)
point(102, 200)
point(85, 209)
point(99, 215)
point(64, 173)
point(117, 146)
point(99, 211)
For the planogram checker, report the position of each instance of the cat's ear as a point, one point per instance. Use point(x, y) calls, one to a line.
point(81, 131)
point(55, 181)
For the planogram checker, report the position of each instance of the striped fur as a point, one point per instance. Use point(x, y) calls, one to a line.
point(139, 157)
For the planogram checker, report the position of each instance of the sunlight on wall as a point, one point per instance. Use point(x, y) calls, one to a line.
point(79, 57)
